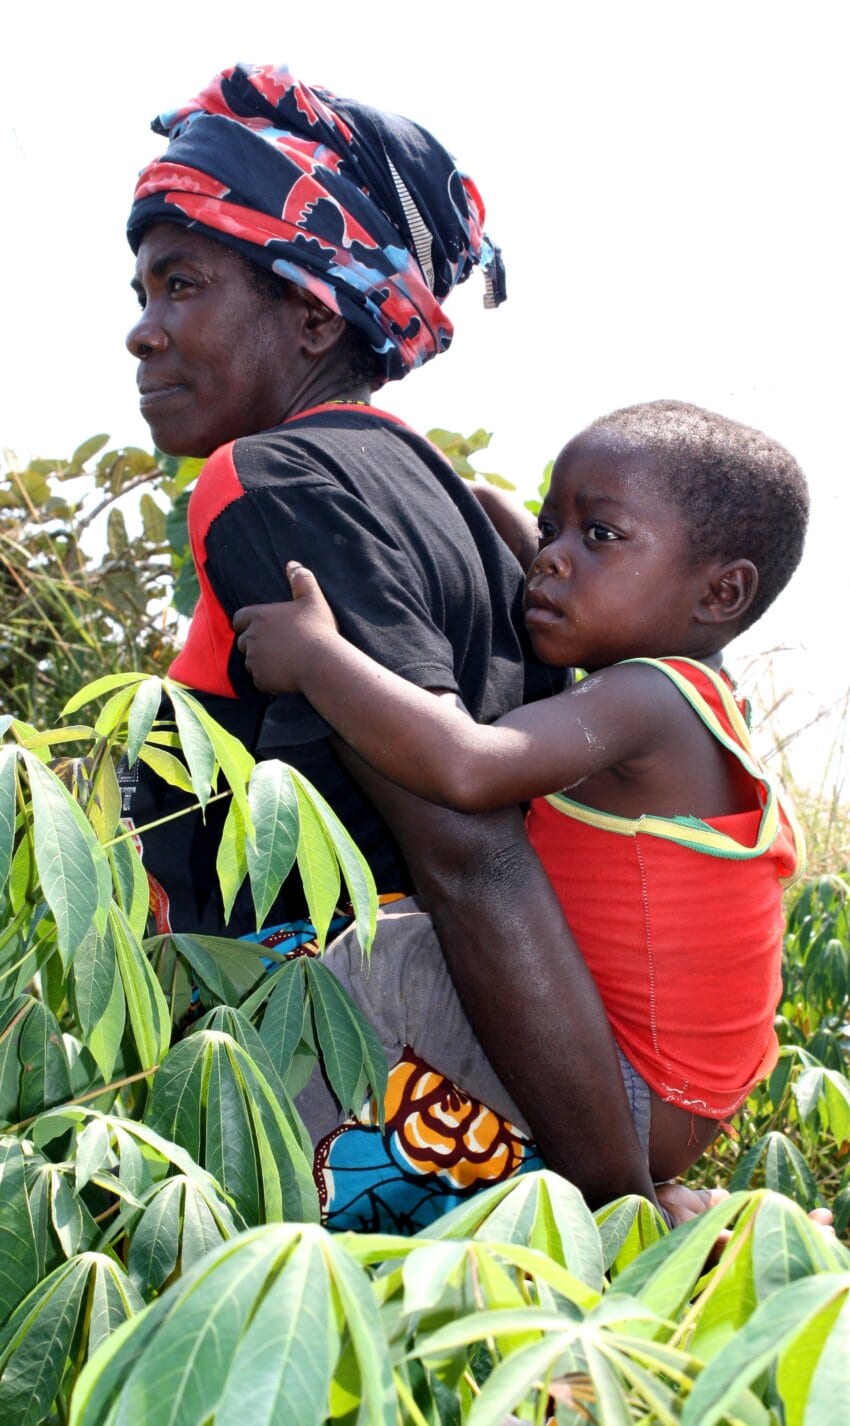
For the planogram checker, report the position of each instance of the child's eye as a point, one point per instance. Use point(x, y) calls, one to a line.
point(546, 529)
point(597, 534)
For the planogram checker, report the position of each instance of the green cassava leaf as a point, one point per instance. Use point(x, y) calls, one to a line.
point(317, 864)
point(352, 1054)
point(170, 768)
point(143, 710)
point(8, 758)
point(355, 869)
point(36, 1344)
point(67, 854)
point(155, 1241)
point(19, 1259)
point(665, 1274)
point(91, 1291)
point(228, 753)
point(275, 814)
point(103, 805)
point(146, 1005)
point(114, 711)
point(788, 1246)
point(195, 742)
point(763, 1340)
point(12, 1017)
point(98, 995)
point(626, 1227)
point(813, 1374)
point(45, 1077)
point(283, 1019)
point(210, 1097)
point(131, 885)
point(226, 969)
point(92, 1152)
point(232, 1022)
point(272, 1376)
point(231, 862)
point(170, 1364)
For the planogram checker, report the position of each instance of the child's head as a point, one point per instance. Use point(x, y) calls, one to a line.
point(741, 494)
point(666, 530)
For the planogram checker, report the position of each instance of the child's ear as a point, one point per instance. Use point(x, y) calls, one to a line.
point(728, 593)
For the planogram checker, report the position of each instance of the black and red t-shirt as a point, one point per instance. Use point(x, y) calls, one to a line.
point(416, 576)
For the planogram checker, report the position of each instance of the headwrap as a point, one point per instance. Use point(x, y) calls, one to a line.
point(365, 210)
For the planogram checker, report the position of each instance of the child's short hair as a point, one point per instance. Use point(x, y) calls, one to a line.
point(742, 494)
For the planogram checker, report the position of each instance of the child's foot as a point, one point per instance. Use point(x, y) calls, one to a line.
point(681, 1203)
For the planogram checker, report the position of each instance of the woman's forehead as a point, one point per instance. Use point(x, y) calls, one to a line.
point(164, 242)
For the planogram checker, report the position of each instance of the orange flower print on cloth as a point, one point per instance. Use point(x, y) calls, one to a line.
point(439, 1129)
point(437, 1148)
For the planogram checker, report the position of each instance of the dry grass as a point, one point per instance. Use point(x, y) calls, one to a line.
point(809, 746)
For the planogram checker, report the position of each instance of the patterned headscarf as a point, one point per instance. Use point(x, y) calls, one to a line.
point(364, 209)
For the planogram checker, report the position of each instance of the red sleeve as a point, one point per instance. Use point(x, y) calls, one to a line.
point(204, 660)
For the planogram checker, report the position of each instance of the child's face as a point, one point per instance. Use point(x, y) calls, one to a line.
point(612, 578)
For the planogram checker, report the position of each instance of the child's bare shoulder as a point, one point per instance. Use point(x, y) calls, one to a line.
point(661, 758)
point(640, 690)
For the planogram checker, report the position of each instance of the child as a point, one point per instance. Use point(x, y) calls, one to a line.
point(666, 531)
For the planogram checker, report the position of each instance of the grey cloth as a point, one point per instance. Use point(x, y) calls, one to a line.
point(407, 994)
point(638, 1095)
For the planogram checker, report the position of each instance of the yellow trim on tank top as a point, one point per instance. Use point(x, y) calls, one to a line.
point(689, 831)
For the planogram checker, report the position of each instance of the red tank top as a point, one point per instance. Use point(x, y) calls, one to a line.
point(680, 919)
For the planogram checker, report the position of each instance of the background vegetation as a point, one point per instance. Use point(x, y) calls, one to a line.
point(160, 1254)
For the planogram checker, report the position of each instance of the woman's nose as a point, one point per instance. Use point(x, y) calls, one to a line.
point(145, 336)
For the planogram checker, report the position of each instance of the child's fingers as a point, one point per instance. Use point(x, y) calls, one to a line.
point(300, 579)
point(242, 618)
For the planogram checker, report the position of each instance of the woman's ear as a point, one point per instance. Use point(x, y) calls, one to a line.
point(320, 329)
point(728, 593)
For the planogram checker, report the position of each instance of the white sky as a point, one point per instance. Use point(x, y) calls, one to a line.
point(667, 180)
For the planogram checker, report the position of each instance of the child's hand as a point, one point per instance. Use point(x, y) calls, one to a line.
point(276, 639)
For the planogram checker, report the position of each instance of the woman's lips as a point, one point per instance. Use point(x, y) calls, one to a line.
point(152, 396)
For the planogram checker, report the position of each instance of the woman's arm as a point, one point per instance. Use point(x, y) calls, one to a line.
point(431, 745)
point(523, 983)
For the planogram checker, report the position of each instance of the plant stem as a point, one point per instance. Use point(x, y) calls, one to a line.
point(172, 817)
point(405, 1395)
point(83, 1098)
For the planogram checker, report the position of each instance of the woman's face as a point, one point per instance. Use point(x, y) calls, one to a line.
point(216, 359)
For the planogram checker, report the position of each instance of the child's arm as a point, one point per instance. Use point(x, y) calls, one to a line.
point(430, 745)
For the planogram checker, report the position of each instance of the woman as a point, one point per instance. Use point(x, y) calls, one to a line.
point(293, 252)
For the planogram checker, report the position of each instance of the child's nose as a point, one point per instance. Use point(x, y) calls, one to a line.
point(552, 559)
